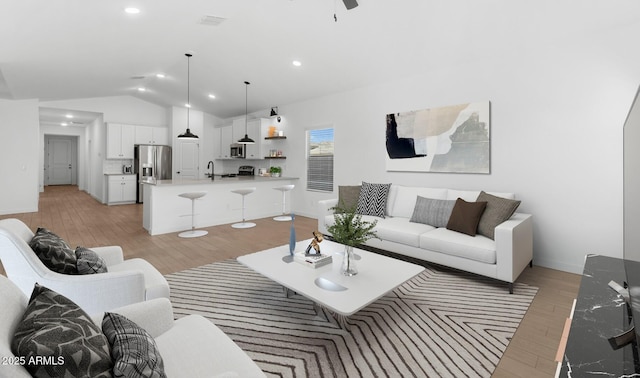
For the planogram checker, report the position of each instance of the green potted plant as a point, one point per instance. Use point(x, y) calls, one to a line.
point(350, 230)
point(275, 171)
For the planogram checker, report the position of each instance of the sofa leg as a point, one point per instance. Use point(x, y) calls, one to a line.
point(531, 264)
point(510, 287)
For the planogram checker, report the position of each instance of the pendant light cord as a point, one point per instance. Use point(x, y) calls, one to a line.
point(188, 87)
point(246, 106)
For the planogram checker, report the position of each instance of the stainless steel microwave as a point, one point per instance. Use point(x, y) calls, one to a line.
point(238, 150)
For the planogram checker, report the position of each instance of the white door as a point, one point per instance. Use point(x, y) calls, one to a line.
point(189, 156)
point(60, 162)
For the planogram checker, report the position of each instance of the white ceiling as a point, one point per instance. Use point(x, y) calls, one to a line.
point(66, 49)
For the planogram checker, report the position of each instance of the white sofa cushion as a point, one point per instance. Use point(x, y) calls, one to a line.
point(402, 199)
point(400, 230)
point(210, 351)
point(478, 248)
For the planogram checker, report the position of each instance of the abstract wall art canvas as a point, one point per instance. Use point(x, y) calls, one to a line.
point(454, 139)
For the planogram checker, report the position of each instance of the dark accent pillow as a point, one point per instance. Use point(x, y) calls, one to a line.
point(89, 262)
point(465, 216)
point(60, 332)
point(348, 196)
point(498, 210)
point(134, 351)
point(53, 251)
point(433, 212)
point(373, 199)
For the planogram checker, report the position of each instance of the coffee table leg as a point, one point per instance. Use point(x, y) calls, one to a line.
point(343, 321)
point(288, 292)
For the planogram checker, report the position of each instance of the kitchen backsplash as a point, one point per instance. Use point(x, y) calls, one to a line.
point(115, 166)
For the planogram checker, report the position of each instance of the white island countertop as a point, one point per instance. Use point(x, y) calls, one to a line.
point(218, 180)
point(164, 211)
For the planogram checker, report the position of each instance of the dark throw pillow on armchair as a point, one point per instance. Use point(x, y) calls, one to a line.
point(53, 251)
point(465, 216)
point(65, 338)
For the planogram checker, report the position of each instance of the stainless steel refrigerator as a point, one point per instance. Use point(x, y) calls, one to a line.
point(151, 163)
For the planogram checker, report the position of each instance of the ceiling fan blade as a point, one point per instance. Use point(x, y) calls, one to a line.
point(350, 4)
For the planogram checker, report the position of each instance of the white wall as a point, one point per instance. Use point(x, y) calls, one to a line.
point(19, 156)
point(556, 132)
point(117, 109)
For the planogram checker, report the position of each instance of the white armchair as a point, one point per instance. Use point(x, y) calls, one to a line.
point(126, 282)
point(191, 346)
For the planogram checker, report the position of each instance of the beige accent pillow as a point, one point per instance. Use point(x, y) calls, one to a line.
point(348, 196)
point(498, 210)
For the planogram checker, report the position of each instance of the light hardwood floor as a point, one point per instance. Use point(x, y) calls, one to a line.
point(81, 220)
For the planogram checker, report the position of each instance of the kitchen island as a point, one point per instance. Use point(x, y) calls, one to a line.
point(164, 211)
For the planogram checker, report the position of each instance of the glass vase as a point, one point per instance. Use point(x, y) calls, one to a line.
point(349, 262)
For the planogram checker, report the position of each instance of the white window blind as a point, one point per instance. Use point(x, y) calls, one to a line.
point(320, 160)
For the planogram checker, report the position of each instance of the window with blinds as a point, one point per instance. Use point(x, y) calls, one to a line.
point(320, 160)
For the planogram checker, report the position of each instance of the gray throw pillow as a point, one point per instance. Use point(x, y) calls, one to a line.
point(498, 210)
point(89, 262)
point(65, 338)
point(134, 351)
point(431, 211)
point(465, 216)
point(373, 199)
point(348, 196)
point(53, 251)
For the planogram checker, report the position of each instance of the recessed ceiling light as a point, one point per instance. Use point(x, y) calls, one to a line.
point(64, 124)
point(160, 76)
point(187, 105)
point(212, 96)
point(132, 10)
point(297, 63)
point(141, 89)
point(69, 115)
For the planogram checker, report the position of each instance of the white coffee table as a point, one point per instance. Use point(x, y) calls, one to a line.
point(326, 286)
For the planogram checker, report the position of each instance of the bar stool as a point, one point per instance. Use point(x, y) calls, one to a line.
point(284, 189)
point(193, 233)
point(243, 192)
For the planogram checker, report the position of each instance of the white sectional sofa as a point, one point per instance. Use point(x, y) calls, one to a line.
point(502, 258)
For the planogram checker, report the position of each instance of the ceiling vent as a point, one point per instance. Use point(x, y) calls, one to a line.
point(211, 20)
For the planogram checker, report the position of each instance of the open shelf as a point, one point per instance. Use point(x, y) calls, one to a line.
point(276, 137)
point(275, 157)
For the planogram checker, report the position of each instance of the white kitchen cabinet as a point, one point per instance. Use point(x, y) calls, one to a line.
point(121, 188)
point(120, 141)
point(226, 138)
point(151, 135)
point(254, 128)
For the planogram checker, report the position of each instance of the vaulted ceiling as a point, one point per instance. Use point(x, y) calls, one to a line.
point(67, 49)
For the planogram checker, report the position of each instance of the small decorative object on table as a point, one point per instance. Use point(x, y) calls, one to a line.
point(314, 260)
point(349, 229)
point(315, 244)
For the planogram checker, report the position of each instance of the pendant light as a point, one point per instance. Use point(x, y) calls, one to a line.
point(246, 139)
point(188, 134)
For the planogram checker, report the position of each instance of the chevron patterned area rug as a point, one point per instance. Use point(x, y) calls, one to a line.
point(441, 323)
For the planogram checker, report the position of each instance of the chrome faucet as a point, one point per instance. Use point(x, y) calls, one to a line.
point(210, 165)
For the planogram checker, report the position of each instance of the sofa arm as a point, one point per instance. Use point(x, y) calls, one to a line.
point(324, 209)
point(514, 246)
point(96, 292)
point(155, 316)
point(111, 255)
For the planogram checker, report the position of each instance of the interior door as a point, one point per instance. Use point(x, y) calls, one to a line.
point(60, 162)
point(189, 156)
